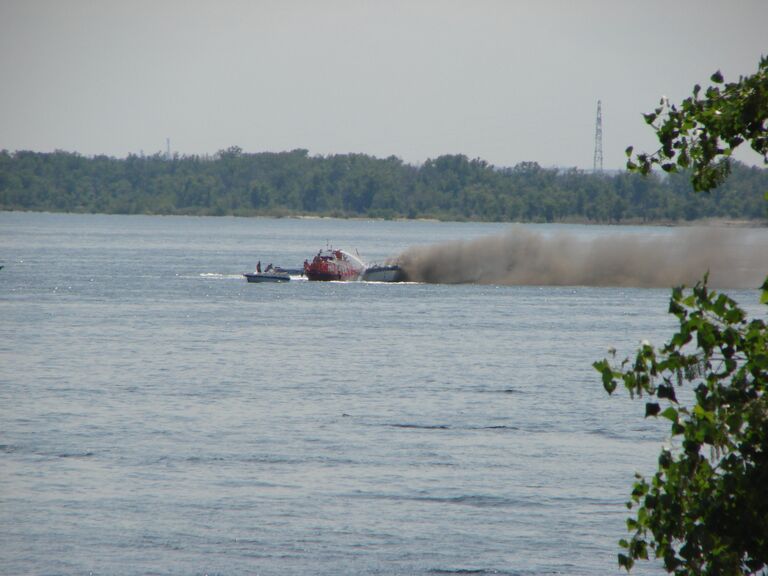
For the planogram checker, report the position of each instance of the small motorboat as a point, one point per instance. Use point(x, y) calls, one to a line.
point(271, 274)
point(383, 273)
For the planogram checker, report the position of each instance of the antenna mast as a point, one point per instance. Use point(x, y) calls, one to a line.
point(597, 163)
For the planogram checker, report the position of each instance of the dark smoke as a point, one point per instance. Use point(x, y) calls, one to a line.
point(735, 258)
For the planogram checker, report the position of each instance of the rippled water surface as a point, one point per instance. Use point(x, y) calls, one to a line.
point(159, 415)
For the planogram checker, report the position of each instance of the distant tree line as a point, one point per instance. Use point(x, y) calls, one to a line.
point(451, 187)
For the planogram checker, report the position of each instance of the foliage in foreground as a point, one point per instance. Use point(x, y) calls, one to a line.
point(705, 509)
point(702, 133)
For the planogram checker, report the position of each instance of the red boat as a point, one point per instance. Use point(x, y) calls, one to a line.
point(333, 264)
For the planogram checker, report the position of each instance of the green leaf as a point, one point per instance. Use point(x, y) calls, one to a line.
point(670, 414)
point(623, 543)
point(626, 562)
point(640, 489)
point(652, 409)
point(703, 414)
point(666, 391)
point(717, 77)
point(605, 369)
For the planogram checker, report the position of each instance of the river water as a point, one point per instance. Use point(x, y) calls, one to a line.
point(159, 415)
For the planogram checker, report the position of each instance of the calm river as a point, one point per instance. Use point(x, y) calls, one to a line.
point(159, 415)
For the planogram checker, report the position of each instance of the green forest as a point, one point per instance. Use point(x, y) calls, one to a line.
point(450, 187)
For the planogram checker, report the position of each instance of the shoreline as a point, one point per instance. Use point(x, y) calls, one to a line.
point(714, 222)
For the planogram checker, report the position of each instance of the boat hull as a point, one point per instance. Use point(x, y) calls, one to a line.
point(391, 273)
point(333, 265)
point(263, 277)
point(322, 276)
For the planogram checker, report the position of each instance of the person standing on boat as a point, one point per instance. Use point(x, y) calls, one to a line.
point(258, 267)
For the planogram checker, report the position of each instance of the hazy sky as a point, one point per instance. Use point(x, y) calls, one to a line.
point(506, 81)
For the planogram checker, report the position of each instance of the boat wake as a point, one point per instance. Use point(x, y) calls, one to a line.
point(217, 276)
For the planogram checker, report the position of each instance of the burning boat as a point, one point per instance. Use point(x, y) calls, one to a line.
point(387, 272)
point(331, 264)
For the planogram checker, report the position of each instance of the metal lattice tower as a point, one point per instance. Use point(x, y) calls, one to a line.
point(597, 163)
